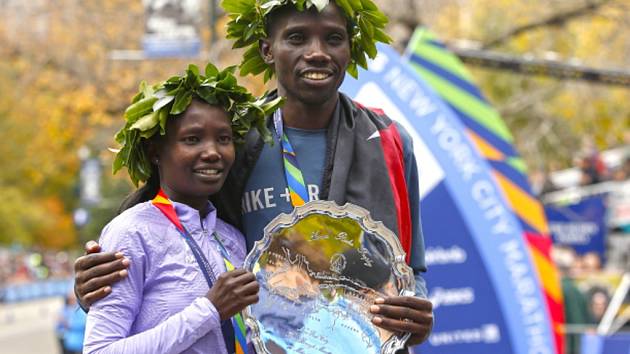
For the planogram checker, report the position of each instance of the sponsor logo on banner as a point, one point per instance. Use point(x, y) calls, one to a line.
point(451, 297)
point(581, 225)
point(574, 233)
point(443, 256)
point(488, 333)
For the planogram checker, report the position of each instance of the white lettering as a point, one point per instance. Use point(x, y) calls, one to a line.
point(269, 198)
point(485, 194)
point(442, 256)
point(257, 203)
point(313, 192)
point(409, 91)
point(452, 141)
point(286, 195)
point(525, 288)
point(245, 203)
point(488, 333)
point(451, 297)
point(574, 233)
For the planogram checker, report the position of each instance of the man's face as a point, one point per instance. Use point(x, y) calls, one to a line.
point(309, 51)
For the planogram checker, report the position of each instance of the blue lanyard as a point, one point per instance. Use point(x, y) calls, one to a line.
point(233, 330)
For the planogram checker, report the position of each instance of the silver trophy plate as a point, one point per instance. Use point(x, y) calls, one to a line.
point(320, 269)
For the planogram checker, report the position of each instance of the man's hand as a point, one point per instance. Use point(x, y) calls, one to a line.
point(95, 273)
point(233, 291)
point(401, 314)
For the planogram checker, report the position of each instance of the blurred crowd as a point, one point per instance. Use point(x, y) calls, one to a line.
point(589, 167)
point(19, 266)
point(594, 282)
point(588, 286)
point(592, 170)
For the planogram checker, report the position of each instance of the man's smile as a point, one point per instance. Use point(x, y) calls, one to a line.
point(316, 75)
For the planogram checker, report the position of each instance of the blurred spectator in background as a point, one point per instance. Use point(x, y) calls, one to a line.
point(626, 167)
point(21, 266)
point(30, 274)
point(591, 263)
point(575, 265)
point(591, 157)
point(590, 174)
point(622, 172)
point(575, 305)
point(71, 326)
point(598, 300)
point(541, 182)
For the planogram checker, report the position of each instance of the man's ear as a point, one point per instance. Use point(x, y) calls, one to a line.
point(264, 47)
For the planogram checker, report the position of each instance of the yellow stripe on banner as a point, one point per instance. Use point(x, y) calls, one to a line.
point(488, 151)
point(549, 277)
point(527, 208)
point(161, 200)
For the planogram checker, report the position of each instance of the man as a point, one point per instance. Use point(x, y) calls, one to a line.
point(343, 151)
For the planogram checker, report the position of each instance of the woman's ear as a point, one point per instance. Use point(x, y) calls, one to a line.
point(264, 47)
point(152, 153)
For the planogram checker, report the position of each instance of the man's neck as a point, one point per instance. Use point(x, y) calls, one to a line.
point(296, 114)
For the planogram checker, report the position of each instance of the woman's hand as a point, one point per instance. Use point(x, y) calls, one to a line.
point(401, 314)
point(233, 291)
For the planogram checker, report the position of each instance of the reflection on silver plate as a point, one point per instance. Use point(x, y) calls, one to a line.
point(320, 268)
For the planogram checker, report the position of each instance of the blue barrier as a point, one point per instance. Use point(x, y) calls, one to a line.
point(35, 290)
point(596, 344)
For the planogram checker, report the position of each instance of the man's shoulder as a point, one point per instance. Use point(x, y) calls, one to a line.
point(374, 112)
point(377, 116)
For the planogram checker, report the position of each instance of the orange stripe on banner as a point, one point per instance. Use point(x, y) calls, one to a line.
point(485, 149)
point(556, 312)
point(540, 248)
point(527, 208)
point(296, 200)
point(548, 274)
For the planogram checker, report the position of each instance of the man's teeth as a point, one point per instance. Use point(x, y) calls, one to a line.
point(315, 75)
point(208, 172)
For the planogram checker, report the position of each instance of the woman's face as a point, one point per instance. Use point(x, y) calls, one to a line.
point(196, 154)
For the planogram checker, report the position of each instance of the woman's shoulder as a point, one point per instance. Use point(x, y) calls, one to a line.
point(138, 213)
point(131, 224)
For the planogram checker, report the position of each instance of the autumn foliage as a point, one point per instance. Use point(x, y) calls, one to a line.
point(61, 89)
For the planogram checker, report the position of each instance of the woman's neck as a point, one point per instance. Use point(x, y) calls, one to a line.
point(198, 203)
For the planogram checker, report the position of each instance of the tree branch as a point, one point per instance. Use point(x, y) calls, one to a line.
point(558, 19)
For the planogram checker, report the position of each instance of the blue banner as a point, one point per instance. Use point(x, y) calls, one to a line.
point(35, 290)
point(596, 344)
point(581, 225)
point(481, 280)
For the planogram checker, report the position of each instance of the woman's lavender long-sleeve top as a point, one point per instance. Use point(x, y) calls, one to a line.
point(160, 307)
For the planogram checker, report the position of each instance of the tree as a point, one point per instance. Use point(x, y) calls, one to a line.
point(60, 90)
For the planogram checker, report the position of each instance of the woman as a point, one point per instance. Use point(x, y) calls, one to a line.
point(181, 293)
